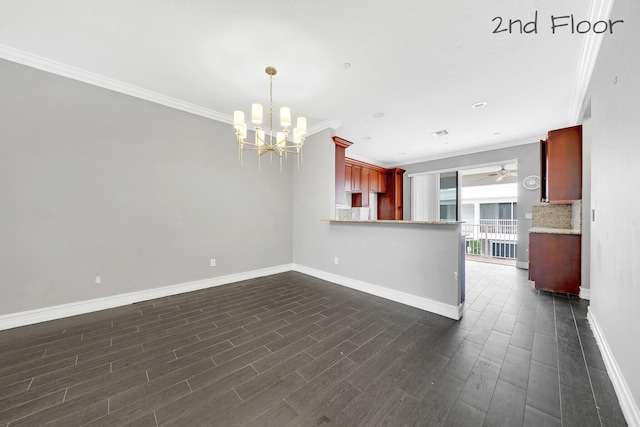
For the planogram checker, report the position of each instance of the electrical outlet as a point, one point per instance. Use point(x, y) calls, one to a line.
point(335, 261)
point(593, 215)
point(212, 263)
point(98, 280)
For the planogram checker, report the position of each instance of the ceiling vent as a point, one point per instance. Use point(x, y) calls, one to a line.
point(440, 133)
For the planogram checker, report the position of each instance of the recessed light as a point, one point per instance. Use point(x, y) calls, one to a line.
point(496, 133)
point(440, 133)
point(366, 138)
point(402, 153)
point(346, 65)
point(479, 104)
point(378, 115)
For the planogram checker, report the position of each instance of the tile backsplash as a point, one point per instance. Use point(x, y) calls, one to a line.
point(558, 216)
point(551, 216)
point(352, 213)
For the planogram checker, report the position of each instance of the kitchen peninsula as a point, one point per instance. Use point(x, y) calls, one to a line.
point(418, 263)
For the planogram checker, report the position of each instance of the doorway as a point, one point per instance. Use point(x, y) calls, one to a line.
point(488, 207)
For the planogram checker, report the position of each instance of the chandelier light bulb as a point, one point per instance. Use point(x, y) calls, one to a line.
point(301, 125)
point(238, 119)
point(285, 117)
point(256, 114)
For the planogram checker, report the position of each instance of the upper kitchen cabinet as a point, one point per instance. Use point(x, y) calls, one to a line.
point(365, 179)
point(561, 166)
point(390, 203)
point(356, 179)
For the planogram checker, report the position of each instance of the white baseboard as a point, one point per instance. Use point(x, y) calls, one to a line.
point(30, 317)
point(524, 265)
point(585, 293)
point(14, 320)
point(625, 397)
point(447, 310)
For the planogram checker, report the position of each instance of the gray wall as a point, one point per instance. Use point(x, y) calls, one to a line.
point(528, 157)
point(615, 234)
point(93, 182)
point(414, 259)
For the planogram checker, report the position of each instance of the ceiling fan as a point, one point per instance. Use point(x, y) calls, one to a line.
point(500, 174)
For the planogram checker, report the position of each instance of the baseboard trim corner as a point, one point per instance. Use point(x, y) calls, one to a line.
point(446, 310)
point(14, 320)
point(585, 293)
point(628, 405)
point(524, 265)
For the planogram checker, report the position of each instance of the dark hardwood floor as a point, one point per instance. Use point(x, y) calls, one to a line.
point(292, 350)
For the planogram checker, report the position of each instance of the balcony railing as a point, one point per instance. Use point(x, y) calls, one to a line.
point(493, 238)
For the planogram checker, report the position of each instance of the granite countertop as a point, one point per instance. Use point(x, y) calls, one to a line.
point(388, 221)
point(549, 230)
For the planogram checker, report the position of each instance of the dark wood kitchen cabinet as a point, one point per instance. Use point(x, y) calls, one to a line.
point(356, 179)
point(374, 180)
point(360, 199)
point(341, 145)
point(554, 262)
point(348, 177)
point(390, 202)
point(561, 166)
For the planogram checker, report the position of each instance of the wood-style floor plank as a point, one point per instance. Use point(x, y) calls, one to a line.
point(294, 350)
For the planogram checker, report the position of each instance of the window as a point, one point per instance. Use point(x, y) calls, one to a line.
point(498, 210)
point(449, 196)
point(434, 196)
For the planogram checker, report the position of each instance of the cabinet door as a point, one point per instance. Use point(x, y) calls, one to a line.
point(564, 165)
point(374, 180)
point(554, 262)
point(348, 173)
point(361, 199)
point(356, 179)
point(399, 194)
point(390, 202)
point(382, 183)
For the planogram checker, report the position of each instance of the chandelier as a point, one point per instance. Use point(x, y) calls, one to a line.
point(263, 143)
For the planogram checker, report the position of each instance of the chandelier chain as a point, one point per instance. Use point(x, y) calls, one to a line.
point(270, 107)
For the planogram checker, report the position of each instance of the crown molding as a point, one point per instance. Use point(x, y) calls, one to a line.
point(323, 125)
point(341, 142)
point(600, 10)
point(64, 70)
point(473, 150)
point(94, 79)
point(363, 159)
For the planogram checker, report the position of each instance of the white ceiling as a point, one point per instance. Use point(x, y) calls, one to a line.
point(422, 63)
